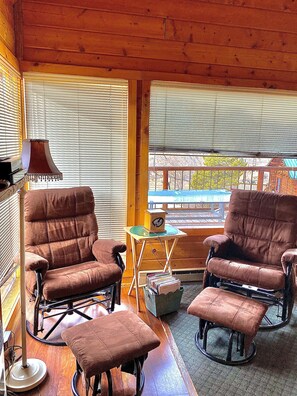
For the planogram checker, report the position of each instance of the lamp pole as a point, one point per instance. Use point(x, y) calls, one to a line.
point(22, 193)
point(28, 373)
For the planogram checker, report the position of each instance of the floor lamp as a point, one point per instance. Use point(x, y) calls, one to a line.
point(36, 158)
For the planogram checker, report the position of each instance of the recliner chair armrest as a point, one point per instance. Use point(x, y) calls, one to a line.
point(105, 250)
point(289, 256)
point(220, 243)
point(33, 262)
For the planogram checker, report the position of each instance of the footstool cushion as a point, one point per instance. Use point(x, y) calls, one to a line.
point(230, 310)
point(109, 341)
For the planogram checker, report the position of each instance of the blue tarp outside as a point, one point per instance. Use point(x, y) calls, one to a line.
point(291, 162)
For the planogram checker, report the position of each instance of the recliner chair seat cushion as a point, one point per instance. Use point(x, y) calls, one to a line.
point(75, 279)
point(251, 273)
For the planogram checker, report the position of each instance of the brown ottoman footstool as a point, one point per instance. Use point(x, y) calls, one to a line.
point(218, 308)
point(119, 339)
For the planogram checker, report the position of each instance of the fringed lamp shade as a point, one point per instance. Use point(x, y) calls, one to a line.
point(38, 162)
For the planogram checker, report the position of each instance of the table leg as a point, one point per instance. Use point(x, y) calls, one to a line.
point(212, 209)
point(221, 210)
point(169, 254)
point(136, 266)
point(133, 246)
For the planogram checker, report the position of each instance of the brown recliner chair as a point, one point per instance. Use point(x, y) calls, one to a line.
point(257, 252)
point(67, 267)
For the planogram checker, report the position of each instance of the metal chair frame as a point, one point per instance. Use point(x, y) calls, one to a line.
point(107, 296)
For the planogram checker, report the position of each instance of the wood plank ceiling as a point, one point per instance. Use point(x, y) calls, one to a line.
point(251, 43)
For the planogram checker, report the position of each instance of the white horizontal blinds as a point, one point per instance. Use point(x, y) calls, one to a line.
point(10, 115)
point(85, 120)
point(237, 124)
point(175, 113)
point(187, 117)
point(280, 124)
point(10, 131)
point(9, 235)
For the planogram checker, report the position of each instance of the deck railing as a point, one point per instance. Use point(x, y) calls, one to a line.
point(262, 178)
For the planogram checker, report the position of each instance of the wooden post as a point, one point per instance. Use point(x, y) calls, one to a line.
point(132, 128)
point(260, 180)
point(131, 170)
point(165, 185)
point(142, 149)
point(165, 179)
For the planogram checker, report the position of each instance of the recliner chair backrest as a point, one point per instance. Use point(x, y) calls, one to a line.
point(261, 225)
point(60, 225)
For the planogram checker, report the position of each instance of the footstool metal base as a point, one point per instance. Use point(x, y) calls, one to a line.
point(136, 364)
point(201, 343)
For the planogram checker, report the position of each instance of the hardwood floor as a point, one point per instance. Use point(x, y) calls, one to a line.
point(165, 373)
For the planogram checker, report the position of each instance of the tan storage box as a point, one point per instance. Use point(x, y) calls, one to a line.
point(154, 220)
point(162, 304)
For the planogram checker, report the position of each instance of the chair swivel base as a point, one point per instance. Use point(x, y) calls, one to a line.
point(229, 360)
point(43, 340)
point(61, 311)
point(273, 323)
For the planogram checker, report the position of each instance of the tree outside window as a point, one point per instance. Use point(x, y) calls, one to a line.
point(218, 179)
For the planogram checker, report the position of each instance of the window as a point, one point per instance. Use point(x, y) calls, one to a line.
point(206, 139)
point(10, 133)
point(85, 120)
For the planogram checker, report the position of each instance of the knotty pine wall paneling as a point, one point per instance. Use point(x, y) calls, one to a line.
point(7, 25)
point(7, 33)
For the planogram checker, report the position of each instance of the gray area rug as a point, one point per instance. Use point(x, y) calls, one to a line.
point(273, 372)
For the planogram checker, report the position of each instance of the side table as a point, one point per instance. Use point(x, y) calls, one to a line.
point(138, 234)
